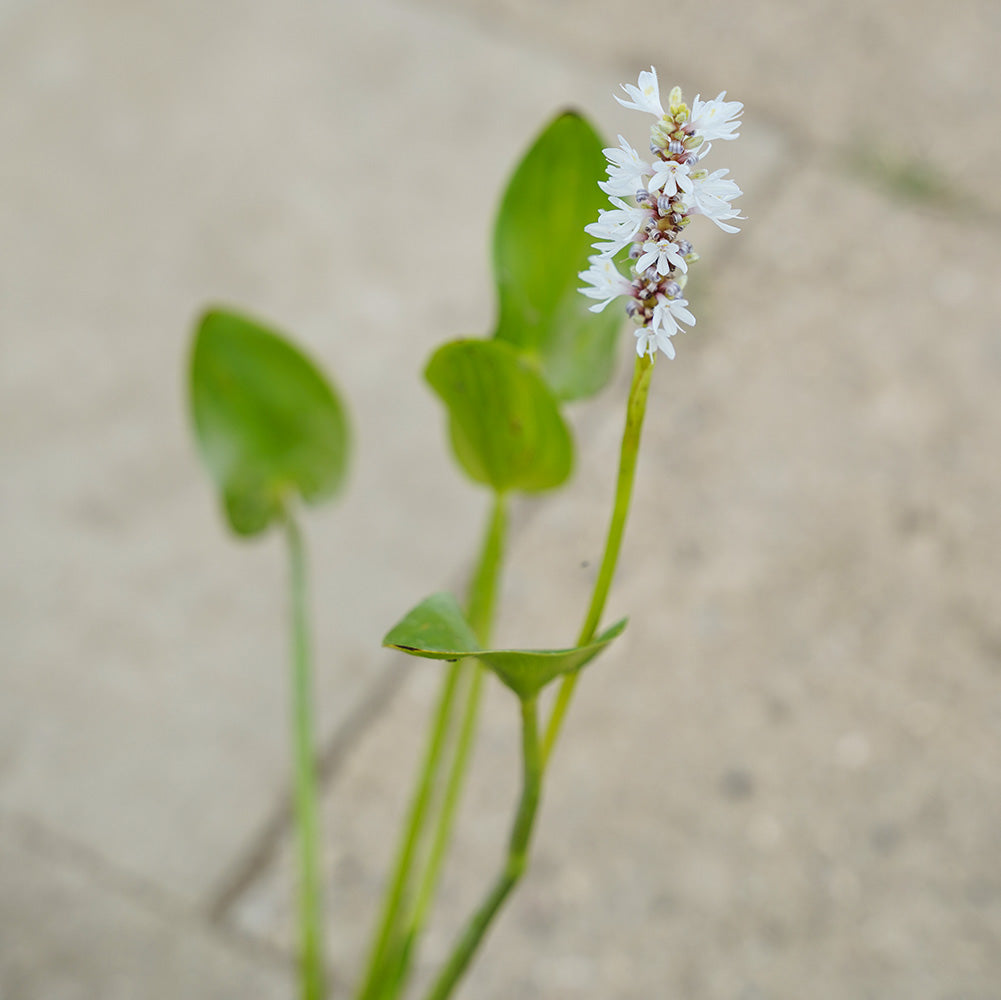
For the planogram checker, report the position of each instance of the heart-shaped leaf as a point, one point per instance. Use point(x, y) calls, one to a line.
point(540, 247)
point(437, 629)
point(505, 424)
point(268, 423)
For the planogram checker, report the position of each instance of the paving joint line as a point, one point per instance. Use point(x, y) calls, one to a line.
point(264, 845)
point(55, 847)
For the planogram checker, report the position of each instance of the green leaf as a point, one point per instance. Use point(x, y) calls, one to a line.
point(540, 247)
point(437, 629)
point(268, 424)
point(505, 424)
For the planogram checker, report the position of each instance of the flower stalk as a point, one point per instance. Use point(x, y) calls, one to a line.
point(311, 960)
point(654, 201)
point(628, 455)
point(666, 194)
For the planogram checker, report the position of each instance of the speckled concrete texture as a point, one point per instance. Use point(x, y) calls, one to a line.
point(783, 781)
point(783, 778)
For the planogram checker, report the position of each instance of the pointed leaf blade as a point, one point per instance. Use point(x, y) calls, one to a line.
point(437, 629)
point(528, 671)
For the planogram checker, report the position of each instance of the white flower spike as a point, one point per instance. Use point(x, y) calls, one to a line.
point(654, 203)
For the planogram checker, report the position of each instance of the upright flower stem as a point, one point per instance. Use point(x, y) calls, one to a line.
point(535, 753)
point(312, 972)
point(635, 411)
point(514, 865)
point(395, 940)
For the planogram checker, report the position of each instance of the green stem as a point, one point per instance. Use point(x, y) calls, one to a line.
point(483, 587)
point(635, 411)
point(307, 823)
point(446, 822)
point(392, 952)
point(374, 981)
point(514, 865)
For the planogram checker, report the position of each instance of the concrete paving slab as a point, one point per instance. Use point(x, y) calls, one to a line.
point(334, 171)
point(905, 92)
point(782, 780)
point(59, 922)
point(798, 796)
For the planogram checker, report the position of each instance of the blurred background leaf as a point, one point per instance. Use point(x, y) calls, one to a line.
point(268, 423)
point(540, 247)
point(505, 423)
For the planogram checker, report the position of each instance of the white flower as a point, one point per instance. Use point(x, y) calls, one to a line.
point(669, 177)
point(663, 253)
point(626, 170)
point(616, 227)
point(715, 119)
point(645, 97)
point(711, 197)
point(646, 343)
point(609, 283)
point(663, 327)
point(666, 314)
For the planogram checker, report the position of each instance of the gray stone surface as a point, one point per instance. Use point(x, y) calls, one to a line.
point(159, 159)
point(71, 933)
point(783, 778)
point(782, 782)
point(897, 85)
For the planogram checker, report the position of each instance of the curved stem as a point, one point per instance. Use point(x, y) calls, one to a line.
point(514, 865)
point(392, 952)
point(307, 823)
point(635, 411)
